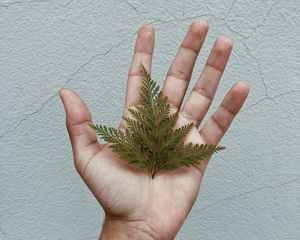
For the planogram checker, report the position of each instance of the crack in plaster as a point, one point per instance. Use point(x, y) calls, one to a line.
point(132, 7)
point(270, 98)
point(259, 69)
point(261, 24)
point(64, 85)
point(230, 9)
point(228, 25)
point(253, 55)
point(9, 4)
point(246, 37)
point(249, 193)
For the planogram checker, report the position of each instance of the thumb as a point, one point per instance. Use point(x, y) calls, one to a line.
point(83, 138)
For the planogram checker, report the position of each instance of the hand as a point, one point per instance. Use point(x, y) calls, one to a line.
point(136, 206)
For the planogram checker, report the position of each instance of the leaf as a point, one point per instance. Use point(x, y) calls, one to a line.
point(150, 140)
point(170, 166)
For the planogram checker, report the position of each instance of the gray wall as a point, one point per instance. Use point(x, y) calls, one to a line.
point(250, 191)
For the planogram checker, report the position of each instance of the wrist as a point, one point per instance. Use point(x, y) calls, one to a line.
point(123, 229)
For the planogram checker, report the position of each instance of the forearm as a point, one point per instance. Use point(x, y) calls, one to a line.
point(123, 230)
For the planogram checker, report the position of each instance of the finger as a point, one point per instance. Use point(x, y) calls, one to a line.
point(180, 71)
point(83, 138)
point(142, 54)
point(217, 125)
point(204, 90)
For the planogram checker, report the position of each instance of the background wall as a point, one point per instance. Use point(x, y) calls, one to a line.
point(250, 191)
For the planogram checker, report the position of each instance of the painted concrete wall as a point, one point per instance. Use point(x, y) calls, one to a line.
point(250, 191)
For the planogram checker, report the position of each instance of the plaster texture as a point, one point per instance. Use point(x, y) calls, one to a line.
point(250, 191)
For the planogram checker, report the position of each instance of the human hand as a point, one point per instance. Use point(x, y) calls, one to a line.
point(136, 206)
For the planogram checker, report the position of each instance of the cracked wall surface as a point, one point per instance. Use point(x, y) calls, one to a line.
point(250, 191)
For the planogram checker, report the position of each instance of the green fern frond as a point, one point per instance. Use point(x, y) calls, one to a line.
point(150, 140)
point(109, 134)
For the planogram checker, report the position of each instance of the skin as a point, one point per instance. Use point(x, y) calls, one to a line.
point(136, 206)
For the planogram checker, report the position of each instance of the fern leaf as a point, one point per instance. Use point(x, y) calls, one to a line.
point(150, 141)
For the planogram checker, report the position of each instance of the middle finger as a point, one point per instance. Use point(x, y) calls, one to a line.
point(180, 71)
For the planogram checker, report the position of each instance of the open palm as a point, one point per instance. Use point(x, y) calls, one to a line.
point(155, 208)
